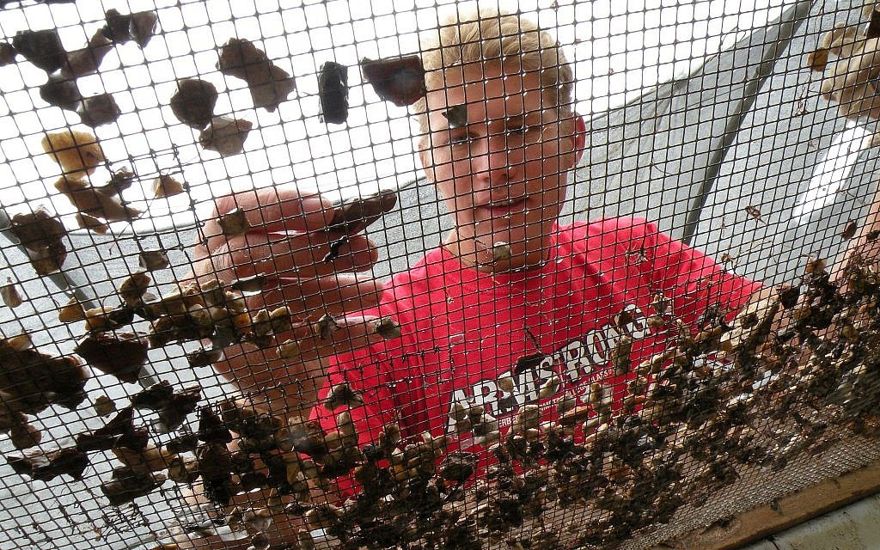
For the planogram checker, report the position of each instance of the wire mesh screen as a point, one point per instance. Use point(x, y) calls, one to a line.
point(410, 275)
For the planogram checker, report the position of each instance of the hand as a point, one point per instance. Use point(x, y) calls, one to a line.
point(291, 234)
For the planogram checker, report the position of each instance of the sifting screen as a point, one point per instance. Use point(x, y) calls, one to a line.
point(427, 275)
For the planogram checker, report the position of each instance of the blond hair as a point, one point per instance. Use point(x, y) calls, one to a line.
point(479, 35)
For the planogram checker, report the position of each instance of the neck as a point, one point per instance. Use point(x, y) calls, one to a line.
point(473, 253)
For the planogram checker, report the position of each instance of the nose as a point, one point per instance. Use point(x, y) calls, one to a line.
point(494, 163)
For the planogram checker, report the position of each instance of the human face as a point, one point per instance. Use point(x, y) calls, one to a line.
point(503, 175)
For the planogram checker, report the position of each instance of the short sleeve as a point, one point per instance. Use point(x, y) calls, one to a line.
point(691, 279)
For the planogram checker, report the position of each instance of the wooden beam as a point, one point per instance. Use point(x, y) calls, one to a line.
point(784, 512)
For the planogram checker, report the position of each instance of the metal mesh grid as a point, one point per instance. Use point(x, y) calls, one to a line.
point(747, 154)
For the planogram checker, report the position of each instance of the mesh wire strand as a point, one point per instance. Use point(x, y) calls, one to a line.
point(726, 143)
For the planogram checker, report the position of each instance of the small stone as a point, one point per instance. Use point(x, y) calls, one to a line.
point(193, 103)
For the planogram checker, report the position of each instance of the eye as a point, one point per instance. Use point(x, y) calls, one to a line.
point(460, 139)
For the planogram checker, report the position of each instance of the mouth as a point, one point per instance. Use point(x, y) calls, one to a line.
point(500, 208)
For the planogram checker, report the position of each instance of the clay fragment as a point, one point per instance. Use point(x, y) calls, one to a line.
point(92, 201)
point(152, 260)
point(193, 103)
point(234, 223)
point(143, 27)
point(225, 135)
point(153, 398)
point(78, 152)
point(87, 60)
point(118, 26)
point(7, 54)
point(128, 485)
point(61, 92)
point(211, 427)
point(269, 84)
point(121, 354)
point(40, 233)
point(42, 48)
point(400, 80)
point(357, 213)
point(44, 466)
point(99, 110)
point(457, 116)
point(167, 186)
point(333, 92)
point(104, 406)
point(182, 403)
point(91, 223)
point(204, 357)
point(342, 395)
point(24, 436)
point(387, 328)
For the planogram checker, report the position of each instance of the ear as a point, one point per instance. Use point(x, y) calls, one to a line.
point(580, 138)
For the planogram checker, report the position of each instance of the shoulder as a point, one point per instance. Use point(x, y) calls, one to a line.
point(585, 236)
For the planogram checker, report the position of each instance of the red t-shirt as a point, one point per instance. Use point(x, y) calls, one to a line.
point(463, 329)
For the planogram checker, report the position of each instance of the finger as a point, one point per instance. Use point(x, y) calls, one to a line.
point(299, 255)
point(352, 332)
point(312, 298)
point(268, 210)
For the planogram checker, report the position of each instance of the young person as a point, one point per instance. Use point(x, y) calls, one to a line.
point(509, 295)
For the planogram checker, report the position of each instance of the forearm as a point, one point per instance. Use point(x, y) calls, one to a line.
point(866, 240)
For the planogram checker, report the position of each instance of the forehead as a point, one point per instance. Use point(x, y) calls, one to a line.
point(490, 90)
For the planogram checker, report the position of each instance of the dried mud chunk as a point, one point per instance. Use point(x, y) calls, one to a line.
point(133, 288)
point(203, 357)
point(31, 380)
point(269, 84)
point(91, 223)
point(234, 223)
point(25, 436)
point(333, 92)
point(153, 259)
point(458, 467)
point(99, 110)
point(128, 485)
point(342, 394)
point(92, 201)
point(10, 295)
point(212, 429)
point(167, 186)
point(148, 459)
point(38, 229)
point(457, 116)
point(121, 354)
point(42, 48)
point(61, 92)
point(104, 405)
point(182, 403)
point(356, 214)
point(225, 135)
point(77, 152)
point(193, 103)
point(7, 54)
point(48, 260)
point(400, 80)
point(143, 27)
point(153, 398)
point(87, 60)
point(118, 27)
point(49, 465)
